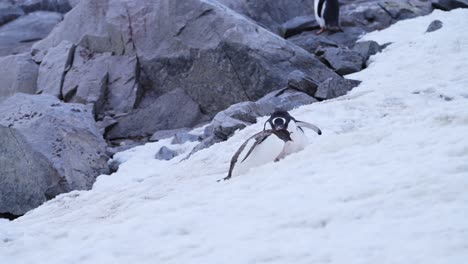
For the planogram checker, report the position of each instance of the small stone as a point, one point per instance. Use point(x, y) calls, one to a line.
point(434, 26)
point(165, 153)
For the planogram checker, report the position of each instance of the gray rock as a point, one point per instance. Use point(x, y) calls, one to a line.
point(86, 81)
point(123, 90)
point(367, 49)
point(53, 69)
point(50, 147)
point(165, 153)
point(172, 110)
point(297, 25)
point(240, 115)
point(164, 134)
point(9, 12)
point(310, 41)
point(434, 26)
point(343, 61)
point(335, 87)
point(300, 81)
point(217, 66)
point(61, 6)
point(18, 75)
point(20, 34)
point(181, 138)
point(105, 124)
point(271, 14)
point(285, 100)
point(448, 5)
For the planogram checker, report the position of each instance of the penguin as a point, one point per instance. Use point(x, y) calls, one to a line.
point(327, 13)
point(282, 135)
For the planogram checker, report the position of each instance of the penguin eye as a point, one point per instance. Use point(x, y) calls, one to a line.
point(279, 121)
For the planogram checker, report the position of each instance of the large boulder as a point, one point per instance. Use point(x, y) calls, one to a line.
point(20, 34)
point(216, 56)
point(271, 14)
point(18, 75)
point(48, 148)
point(447, 5)
point(61, 6)
point(9, 12)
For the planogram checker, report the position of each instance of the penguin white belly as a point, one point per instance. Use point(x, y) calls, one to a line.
point(263, 153)
point(319, 17)
point(298, 143)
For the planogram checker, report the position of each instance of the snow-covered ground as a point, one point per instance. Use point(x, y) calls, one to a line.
point(387, 182)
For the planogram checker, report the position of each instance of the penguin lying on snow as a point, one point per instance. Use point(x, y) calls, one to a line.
point(283, 136)
point(327, 13)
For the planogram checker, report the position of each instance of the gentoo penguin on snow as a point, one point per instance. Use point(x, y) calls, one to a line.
point(327, 13)
point(282, 135)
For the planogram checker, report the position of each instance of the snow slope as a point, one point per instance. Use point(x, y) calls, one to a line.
point(387, 182)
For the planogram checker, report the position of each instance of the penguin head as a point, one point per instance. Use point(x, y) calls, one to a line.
point(279, 120)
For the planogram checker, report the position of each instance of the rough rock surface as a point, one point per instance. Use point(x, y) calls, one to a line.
point(61, 6)
point(54, 67)
point(20, 34)
point(217, 56)
point(447, 5)
point(434, 26)
point(343, 61)
point(172, 110)
point(165, 153)
point(367, 48)
point(9, 12)
point(18, 75)
point(50, 147)
point(334, 87)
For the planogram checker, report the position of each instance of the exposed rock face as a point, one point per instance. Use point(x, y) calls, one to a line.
point(434, 26)
point(447, 5)
point(9, 12)
point(343, 61)
point(50, 148)
point(19, 35)
point(61, 6)
point(18, 75)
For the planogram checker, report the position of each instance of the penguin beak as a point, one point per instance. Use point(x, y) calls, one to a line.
point(310, 126)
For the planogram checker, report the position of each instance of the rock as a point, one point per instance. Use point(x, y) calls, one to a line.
point(310, 41)
point(20, 34)
point(105, 124)
point(286, 100)
point(368, 15)
point(183, 137)
point(86, 81)
point(109, 82)
point(53, 69)
point(216, 66)
point(271, 14)
point(165, 153)
point(334, 87)
point(297, 25)
point(9, 12)
point(164, 134)
point(119, 145)
point(172, 110)
point(434, 26)
point(123, 90)
point(50, 148)
point(61, 6)
point(298, 80)
point(18, 75)
point(236, 117)
point(240, 115)
point(367, 49)
point(448, 5)
point(343, 61)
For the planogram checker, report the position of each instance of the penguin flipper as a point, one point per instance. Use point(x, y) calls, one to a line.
point(259, 138)
point(301, 124)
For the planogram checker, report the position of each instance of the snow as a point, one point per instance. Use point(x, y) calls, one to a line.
point(386, 182)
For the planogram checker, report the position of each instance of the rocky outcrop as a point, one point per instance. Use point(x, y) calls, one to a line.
point(447, 5)
point(206, 51)
point(48, 147)
point(9, 12)
point(20, 34)
point(61, 6)
point(18, 75)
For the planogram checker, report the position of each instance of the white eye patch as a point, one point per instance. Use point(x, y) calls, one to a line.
point(279, 121)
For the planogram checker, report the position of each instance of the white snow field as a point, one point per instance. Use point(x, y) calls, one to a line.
point(386, 183)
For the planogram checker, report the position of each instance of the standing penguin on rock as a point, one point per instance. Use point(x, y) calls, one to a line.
point(282, 135)
point(327, 14)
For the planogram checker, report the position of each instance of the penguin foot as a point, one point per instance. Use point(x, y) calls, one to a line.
point(224, 179)
point(320, 31)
